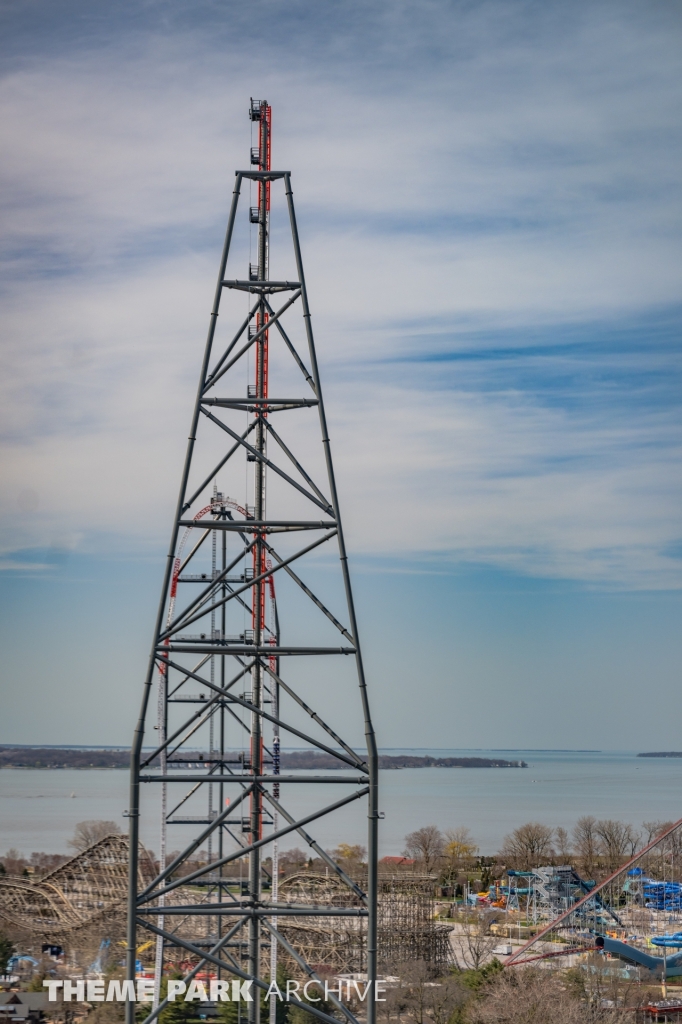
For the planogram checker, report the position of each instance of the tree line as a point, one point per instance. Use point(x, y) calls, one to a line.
point(595, 847)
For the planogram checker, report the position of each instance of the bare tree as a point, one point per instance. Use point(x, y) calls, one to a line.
point(527, 996)
point(562, 842)
point(292, 861)
point(426, 845)
point(45, 862)
point(527, 846)
point(14, 862)
point(428, 999)
point(88, 832)
point(668, 851)
point(586, 842)
point(395, 1002)
point(653, 829)
point(472, 939)
point(596, 984)
point(618, 841)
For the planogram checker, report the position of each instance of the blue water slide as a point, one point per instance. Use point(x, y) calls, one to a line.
point(662, 895)
point(670, 941)
point(632, 955)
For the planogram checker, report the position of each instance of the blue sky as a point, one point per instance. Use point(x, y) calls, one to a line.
point(489, 205)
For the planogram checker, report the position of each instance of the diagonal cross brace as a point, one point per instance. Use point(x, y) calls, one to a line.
point(181, 622)
point(233, 970)
point(197, 714)
point(215, 377)
point(289, 344)
point(147, 896)
point(271, 718)
point(195, 970)
point(359, 763)
point(187, 504)
point(194, 845)
point(317, 848)
point(266, 462)
point(295, 462)
point(252, 312)
point(308, 592)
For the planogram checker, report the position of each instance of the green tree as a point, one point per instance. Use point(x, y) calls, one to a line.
point(459, 850)
point(351, 858)
point(486, 865)
point(177, 1012)
point(7, 950)
point(238, 1012)
point(297, 1015)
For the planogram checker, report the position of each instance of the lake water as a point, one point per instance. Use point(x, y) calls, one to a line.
point(38, 811)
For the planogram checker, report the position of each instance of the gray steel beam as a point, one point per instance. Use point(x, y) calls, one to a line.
point(294, 461)
point(290, 345)
point(212, 475)
point(242, 910)
point(315, 717)
point(324, 505)
point(181, 622)
point(262, 175)
point(262, 525)
point(195, 970)
point(309, 1008)
point(217, 374)
point(262, 287)
point(322, 854)
point(251, 404)
point(254, 709)
point(308, 592)
point(292, 827)
point(249, 650)
point(252, 312)
point(177, 777)
point(308, 969)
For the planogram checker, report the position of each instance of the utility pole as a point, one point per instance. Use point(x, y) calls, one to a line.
point(218, 629)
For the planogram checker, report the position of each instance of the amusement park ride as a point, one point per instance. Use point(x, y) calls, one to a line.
point(246, 654)
point(634, 915)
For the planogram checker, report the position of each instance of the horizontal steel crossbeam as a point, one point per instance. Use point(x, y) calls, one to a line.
point(360, 780)
point(261, 525)
point(253, 404)
point(261, 175)
point(263, 287)
point(231, 910)
point(249, 650)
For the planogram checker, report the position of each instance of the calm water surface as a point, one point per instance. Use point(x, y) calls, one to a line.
point(39, 812)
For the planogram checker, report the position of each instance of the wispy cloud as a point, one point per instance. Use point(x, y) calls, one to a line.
point(490, 210)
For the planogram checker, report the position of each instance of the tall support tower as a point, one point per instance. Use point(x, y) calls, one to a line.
point(255, 640)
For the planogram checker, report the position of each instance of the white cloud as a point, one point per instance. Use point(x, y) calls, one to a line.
point(504, 172)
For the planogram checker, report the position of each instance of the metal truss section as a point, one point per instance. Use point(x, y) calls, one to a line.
point(250, 649)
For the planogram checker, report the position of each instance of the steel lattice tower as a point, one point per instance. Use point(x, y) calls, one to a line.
point(245, 550)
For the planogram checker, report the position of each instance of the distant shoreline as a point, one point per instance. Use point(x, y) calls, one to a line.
point(662, 753)
point(106, 759)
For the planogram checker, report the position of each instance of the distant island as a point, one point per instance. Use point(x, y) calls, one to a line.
point(662, 753)
point(65, 757)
